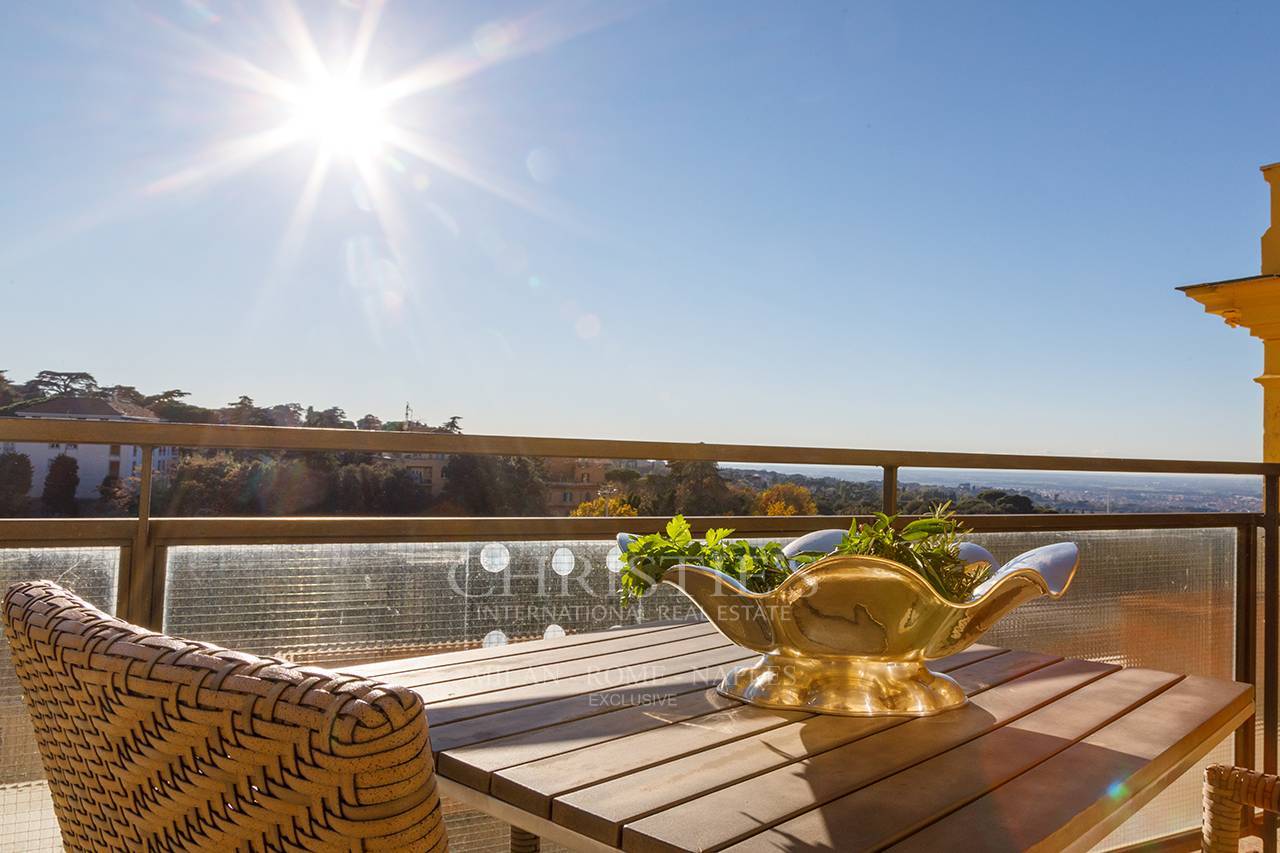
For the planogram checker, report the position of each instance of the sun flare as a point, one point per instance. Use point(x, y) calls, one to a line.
point(343, 117)
point(365, 123)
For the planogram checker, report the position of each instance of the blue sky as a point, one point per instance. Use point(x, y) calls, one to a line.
point(926, 225)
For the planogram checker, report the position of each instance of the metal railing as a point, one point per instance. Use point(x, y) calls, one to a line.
point(144, 540)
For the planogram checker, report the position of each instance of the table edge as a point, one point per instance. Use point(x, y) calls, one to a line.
point(1099, 831)
point(516, 816)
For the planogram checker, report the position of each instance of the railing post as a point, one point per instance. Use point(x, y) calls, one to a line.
point(140, 606)
point(889, 491)
point(1246, 652)
point(1270, 638)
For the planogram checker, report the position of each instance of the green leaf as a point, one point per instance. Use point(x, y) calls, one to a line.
point(678, 530)
point(928, 546)
point(718, 534)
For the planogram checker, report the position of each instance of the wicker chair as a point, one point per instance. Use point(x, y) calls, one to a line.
point(155, 743)
point(1231, 793)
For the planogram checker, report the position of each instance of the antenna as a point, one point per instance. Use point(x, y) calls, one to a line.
point(408, 415)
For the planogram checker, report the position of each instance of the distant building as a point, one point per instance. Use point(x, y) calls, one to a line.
point(572, 481)
point(425, 468)
point(96, 462)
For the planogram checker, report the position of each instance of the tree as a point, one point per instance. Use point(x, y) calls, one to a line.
point(8, 391)
point(996, 501)
point(400, 493)
point(16, 476)
point(245, 412)
point(652, 494)
point(522, 490)
point(785, 499)
point(378, 489)
point(452, 425)
point(60, 484)
point(117, 497)
point(184, 413)
point(604, 506)
point(369, 422)
point(921, 500)
point(333, 417)
point(471, 483)
point(124, 393)
point(289, 486)
point(495, 485)
point(700, 490)
point(173, 395)
point(286, 414)
point(624, 477)
point(210, 485)
point(347, 497)
point(53, 383)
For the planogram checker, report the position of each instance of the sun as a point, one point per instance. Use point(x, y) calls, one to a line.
point(352, 118)
point(344, 118)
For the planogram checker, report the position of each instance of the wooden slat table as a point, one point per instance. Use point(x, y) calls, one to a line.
point(618, 740)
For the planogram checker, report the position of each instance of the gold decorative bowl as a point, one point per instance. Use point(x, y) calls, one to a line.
point(851, 634)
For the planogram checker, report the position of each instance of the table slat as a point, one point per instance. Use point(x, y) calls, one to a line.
point(538, 702)
point(626, 712)
point(473, 764)
point(493, 668)
point(1057, 801)
point(744, 809)
point(649, 789)
point(534, 784)
point(876, 816)
point(456, 692)
point(381, 669)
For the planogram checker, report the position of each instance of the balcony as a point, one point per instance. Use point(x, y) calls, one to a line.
point(1195, 593)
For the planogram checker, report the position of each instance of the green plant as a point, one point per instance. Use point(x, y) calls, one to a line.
point(759, 568)
point(60, 484)
point(16, 476)
point(929, 546)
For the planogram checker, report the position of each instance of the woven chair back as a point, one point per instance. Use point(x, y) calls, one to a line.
point(155, 743)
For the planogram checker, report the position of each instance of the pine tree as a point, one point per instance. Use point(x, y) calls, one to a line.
point(60, 484)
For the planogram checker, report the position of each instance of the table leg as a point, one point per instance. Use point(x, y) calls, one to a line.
point(523, 842)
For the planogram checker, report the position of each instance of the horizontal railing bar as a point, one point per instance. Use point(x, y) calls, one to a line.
point(49, 532)
point(66, 532)
point(298, 530)
point(349, 440)
point(1107, 521)
point(208, 530)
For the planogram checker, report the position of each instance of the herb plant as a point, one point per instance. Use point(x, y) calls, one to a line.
point(930, 546)
point(759, 568)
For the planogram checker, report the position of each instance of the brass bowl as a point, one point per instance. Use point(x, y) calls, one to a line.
point(851, 634)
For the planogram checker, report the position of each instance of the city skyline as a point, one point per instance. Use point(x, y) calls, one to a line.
point(650, 221)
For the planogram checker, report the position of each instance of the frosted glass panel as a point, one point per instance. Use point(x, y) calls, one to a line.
point(363, 602)
point(26, 810)
point(1158, 599)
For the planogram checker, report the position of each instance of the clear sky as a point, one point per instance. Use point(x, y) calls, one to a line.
point(902, 225)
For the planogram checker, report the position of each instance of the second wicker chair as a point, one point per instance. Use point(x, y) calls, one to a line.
point(1231, 794)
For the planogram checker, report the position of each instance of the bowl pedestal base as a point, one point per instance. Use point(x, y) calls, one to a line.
point(855, 687)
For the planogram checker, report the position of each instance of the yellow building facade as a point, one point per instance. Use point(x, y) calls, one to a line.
point(1254, 303)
